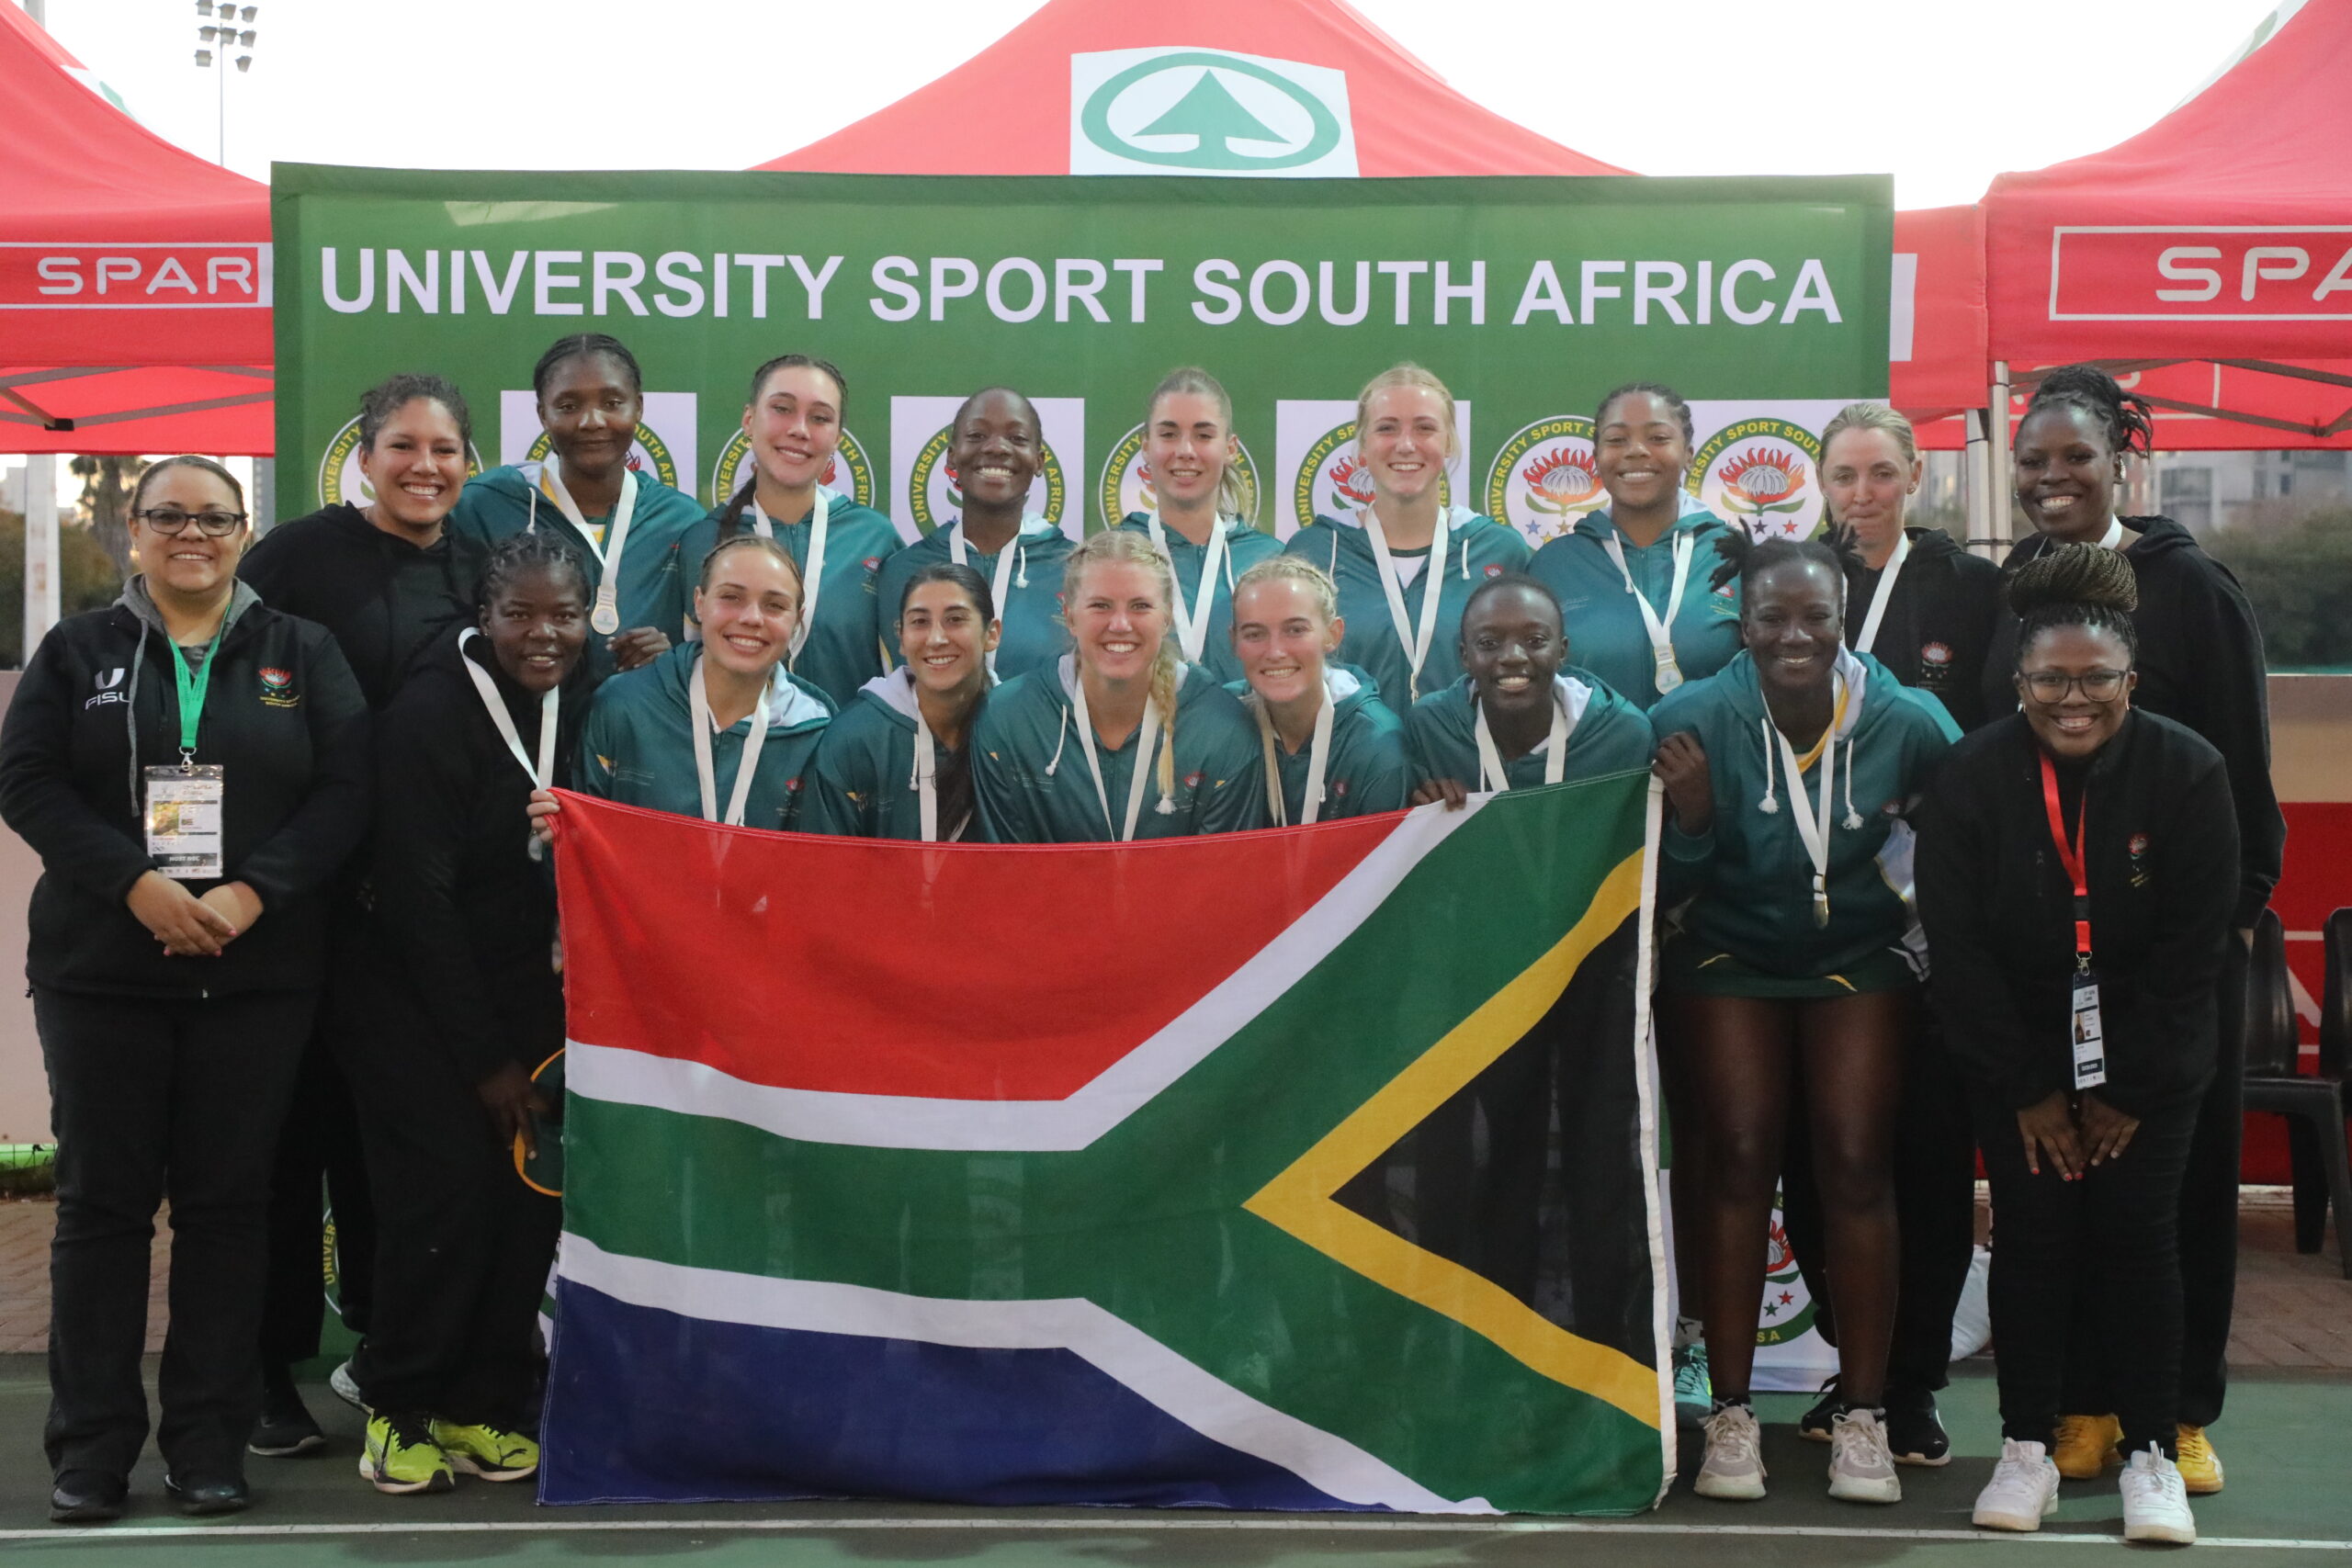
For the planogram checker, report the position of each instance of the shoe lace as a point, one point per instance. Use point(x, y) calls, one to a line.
point(2194, 1447)
point(1858, 1442)
point(2155, 1482)
point(1732, 1434)
point(2018, 1466)
point(2074, 1430)
point(1690, 1371)
point(406, 1428)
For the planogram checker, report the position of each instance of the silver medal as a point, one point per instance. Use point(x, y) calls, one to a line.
point(1669, 674)
point(606, 617)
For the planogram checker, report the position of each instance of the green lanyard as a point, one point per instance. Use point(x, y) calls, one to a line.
point(192, 688)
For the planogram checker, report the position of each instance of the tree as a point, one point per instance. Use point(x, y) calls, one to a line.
point(87, 579)
point(105, 507)
point(2298, 575)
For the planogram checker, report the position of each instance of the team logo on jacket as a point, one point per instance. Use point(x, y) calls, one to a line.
point(850, 475)
point(2136, 846)
point(1544, 478)
point(936, 496)
point(278, 688)
point(339, 476)
point(1934, 653)
point(646, 454)
point(1935, 666)
point(1125, 483)
point(1334, 479)
point(1759, 474)
point(110, 685)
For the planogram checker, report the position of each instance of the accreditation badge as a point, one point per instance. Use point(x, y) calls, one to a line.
point(2090, 1041)
point(184, 821)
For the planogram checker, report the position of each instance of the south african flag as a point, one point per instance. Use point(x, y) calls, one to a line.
point(1303, 1169)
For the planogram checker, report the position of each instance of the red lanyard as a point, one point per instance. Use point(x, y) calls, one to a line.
point(2069, 859)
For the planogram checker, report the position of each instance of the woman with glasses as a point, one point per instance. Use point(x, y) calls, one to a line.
point(192, 768)
point(2075, 865)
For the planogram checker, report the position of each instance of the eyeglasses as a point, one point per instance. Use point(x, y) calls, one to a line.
point(170, 521)
point(2098, 685)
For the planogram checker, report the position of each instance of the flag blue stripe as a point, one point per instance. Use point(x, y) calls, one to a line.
point(631, 1417)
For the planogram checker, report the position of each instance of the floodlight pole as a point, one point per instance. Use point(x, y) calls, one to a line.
point(41, 599)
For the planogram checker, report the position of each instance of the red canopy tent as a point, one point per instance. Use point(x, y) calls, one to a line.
point(134, 277)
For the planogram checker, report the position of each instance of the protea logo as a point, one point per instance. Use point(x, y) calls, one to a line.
point(1759, 473)
point(1335, 480)
point(1543, 479)
point(936, 497)
point(849, 475)
point(1200, 111)
point(339, 476)
point(1125, 486)
point(646, 454)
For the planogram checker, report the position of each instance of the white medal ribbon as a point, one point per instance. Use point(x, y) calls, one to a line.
point(1814, 828)
point(1661, 632)
point(606, 617)
point(1318, 754)
point(1885, 593)
point(1000, 583)
point(544, 774)
point(746, 766)
point(1136, 780)
point(812, 570)
point(1193, 626)
point(926, 780)
point(1415, 643)
point(1491, 774)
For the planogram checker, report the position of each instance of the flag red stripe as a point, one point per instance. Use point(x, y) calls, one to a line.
point(957, 972)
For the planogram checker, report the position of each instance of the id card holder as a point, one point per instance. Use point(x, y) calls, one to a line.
point(183, 820)
point(2090, 1042)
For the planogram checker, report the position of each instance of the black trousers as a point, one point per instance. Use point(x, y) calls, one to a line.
point(463, 1247)
point(2209, 1235)
point(2105, 1245)
point(151, 1100)
point(1935, 1205)
point(318, 1150)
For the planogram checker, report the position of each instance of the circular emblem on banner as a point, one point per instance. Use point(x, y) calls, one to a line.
point(1788, 1310)
point(1219, 103)
point(936, 497)
point(1759, 473)
point(1544, 479)
point(849, 475)
point(1332, 479)
point(339, 476)
point(646, 455)
point(1125, 483)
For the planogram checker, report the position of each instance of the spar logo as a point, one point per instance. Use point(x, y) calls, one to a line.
point(937, 497)
point(850, 475)
point(1759, 473)
point(646, 455)
point(1544, 479)
point(1788, 1309)
point(1334, 479)
point(339, 476)
point(1198, 111)
point(1125, 484)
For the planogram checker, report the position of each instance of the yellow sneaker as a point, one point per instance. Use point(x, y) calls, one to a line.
point(2200, 1467)
point(2085, 1445)
point(492, 1453)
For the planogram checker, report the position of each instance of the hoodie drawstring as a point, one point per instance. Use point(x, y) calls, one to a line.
point(1060, 739)
point(1466, 561)
point(130, 715)
point(1770, 803)
point(1853, 822)
point(1020, 579)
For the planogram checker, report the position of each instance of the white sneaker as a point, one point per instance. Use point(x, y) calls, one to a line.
point(2156, 1500)
point(347, 1389)
point(1861, 1467)
point(2023, 1491)
point(1734, 1468)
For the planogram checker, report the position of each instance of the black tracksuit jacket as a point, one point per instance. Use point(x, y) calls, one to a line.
point(1939, 626)
point(2160, 849)
point(463, 917)
point(385, 600)
point(2200, 664)
point(282, 715)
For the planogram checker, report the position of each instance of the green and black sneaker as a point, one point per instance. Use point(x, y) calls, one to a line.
point(401, 1454)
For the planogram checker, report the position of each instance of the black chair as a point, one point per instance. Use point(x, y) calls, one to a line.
point(2313, 1104)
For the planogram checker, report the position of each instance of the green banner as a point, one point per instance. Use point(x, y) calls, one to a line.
point(1764, 301)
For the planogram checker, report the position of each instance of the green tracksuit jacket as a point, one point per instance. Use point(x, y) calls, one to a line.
point(1030, 776)
point(1032, 606)
point(638, 749)
point(1606, 734)
point(1368, 771)
point(861, 784)
point(844, 647)
point(1244, 547)
point(1476, 549)
point(496, 505)
point(1606, 633)
point(1751, 875)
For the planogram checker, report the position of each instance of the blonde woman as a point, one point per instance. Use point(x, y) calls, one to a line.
point(1201, 517)
point(1405, 564)
point(1331, 747)
point(1120, 738)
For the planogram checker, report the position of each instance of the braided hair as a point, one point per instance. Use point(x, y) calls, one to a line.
point(2128, 419)
point(1658, 389)
point(1744, 558)
point(576, 345)
point(535, 549)
point(2076, 585)
point(731, 516)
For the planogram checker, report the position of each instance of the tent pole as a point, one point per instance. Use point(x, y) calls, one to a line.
point(1998, 479)
point(40, 549)
point(1980, 503)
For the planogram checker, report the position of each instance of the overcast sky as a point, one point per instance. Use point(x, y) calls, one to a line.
point(1942, 95)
